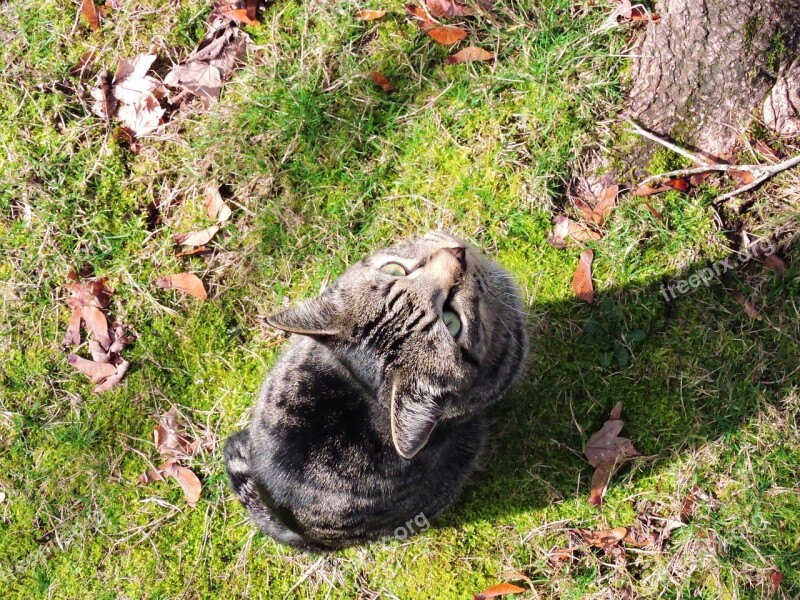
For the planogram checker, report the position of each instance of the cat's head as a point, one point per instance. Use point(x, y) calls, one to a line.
point(431, 326)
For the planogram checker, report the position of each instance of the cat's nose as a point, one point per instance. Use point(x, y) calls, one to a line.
point(460, 254)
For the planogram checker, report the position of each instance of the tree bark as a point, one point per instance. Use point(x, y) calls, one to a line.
point(707, 67)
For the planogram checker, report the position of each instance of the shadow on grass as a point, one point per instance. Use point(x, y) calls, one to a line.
point(688, 372)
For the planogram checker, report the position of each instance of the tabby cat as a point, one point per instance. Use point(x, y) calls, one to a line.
point(374, 413)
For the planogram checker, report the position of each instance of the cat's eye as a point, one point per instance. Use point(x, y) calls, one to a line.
point(394, 269)
point(452, 322)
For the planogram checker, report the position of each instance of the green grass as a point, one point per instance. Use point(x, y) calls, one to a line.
point(322, 167)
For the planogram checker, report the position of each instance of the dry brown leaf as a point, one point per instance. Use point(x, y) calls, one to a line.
point(73, 335)
point(188, 283)
point(556, 557)
point(84, 62)
point(604, 538)
point(447, 9)
point(776, 579)
point(189, 252)
point(767, 151)
point(188, 481)
point(370, 15)
point(104, 105)
point(99, 354)
point(639, 14)
point(93, 370)
point(646, 190)
point(600, 478)
point(196, 238)
point(698, 178)
point(749, 307)
point(582, 279)
point(679, 184)
point(608, 200)
point(741, 177)
point(469, 54)
point(170, 435)
point(773, 262)
point(89, 11)
point(113, 379)
point(501, 589)
point(424, 21)
point(240, 15)
point(200, 78)
point(606, 445)
point(447, 34)
point(95, 322)
point(382, 81)
point(216, 207)
point(605, 450)
point(567, 228)
point(656, 215)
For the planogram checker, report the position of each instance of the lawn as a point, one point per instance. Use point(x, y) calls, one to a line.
point(321, 167)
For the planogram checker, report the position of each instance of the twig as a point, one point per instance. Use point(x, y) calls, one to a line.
point(760, 173)
point(666, 144)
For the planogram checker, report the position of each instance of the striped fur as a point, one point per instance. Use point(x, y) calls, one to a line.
point(374, 412)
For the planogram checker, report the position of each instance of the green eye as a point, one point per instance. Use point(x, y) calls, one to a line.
point(394, 269)
point(452, 322)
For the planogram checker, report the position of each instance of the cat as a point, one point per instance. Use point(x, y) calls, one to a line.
point(373, 415)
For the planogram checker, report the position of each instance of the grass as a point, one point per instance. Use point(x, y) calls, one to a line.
point(321, 168)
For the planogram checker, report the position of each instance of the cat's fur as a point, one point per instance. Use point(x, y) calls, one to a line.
point(374, 413)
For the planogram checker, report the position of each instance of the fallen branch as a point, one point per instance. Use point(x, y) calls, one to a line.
point(760, 173)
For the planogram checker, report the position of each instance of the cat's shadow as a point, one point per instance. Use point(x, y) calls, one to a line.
point(679, 367)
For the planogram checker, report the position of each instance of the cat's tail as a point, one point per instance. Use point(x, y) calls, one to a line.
point(237, 465)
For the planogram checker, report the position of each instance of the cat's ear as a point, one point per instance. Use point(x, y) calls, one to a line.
point(415, 410)
point(315, 318)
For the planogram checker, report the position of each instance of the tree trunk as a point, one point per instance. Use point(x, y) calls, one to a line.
point(709, 66)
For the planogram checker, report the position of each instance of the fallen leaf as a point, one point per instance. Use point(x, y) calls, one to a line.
point(689, 506)
point(425, 22)
point(582, 280)
point(773, 262)
point(501, 589)
point(741, 177)
point(99, 354)
point(605, 205)
point(447, 34)
point(169, 435)
point(646, 190)
point(607, 445)
point(96, 322)
point(556, 557)
point(605, 450)
point(698, 178)
point(767, 151)
point(679, 184)
point(84, 62)
point(656, 215)
point(240, 15)
point(567, 228)
point(749, 307)
point(196, 238)
point(447, 9)
point(776, 578)
point(188, 481)
point(93, 370)
point(89, 11)
point(113, 379)
point(191, 251)
point(188, 283)
point(370, 15)
point(73, 335)
point(603, 538)
point(639, 14)
point(104, 105)
point(469, 54)
point(382, 81)
point(600, 478)
point(200, 78)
